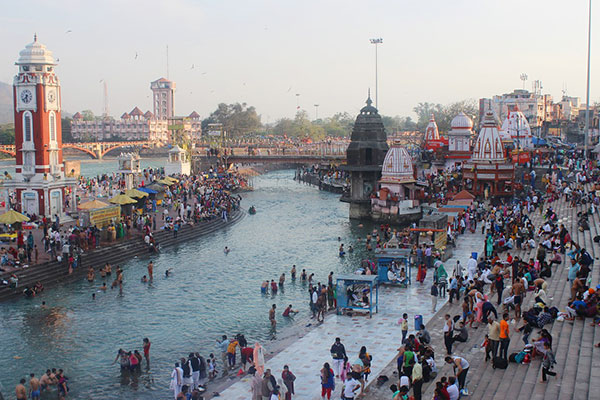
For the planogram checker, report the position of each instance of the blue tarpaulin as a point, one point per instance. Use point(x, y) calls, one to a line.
point(150, 191)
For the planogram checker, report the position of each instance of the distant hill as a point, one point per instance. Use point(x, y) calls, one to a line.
point(6, 103)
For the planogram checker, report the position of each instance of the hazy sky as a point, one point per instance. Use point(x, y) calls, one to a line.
point(265, 52)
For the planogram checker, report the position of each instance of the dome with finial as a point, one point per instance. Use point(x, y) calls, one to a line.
point(35, 53)
point(432, 133)
point(488, 147)
point(397, 165)
point(515, 126)
point(461, 121)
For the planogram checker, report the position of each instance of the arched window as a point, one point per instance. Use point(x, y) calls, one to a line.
point(27, 127)
point(52, 122)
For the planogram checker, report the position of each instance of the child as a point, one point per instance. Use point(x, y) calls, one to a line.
point(212, 367)
point(487, 344)
point(346, 369)
point(404, 325)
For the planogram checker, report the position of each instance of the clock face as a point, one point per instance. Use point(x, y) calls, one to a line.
point(51, 96)
point(26, 96)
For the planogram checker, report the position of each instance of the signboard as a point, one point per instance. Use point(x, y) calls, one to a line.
point(440, 240)
point(104, 216)
point(214, 133)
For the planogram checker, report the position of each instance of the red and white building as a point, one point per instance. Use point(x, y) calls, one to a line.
point(39, 183)
point(459, 140)
point(433, 140)
point(489, 172)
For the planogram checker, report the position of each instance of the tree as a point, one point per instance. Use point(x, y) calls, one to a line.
point(67, 137)
point(88, 115)
point(237, 119)
point(424, 111)
point(7, 134)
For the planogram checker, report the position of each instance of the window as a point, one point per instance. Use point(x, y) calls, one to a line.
point(27, 127)
point(52, 121)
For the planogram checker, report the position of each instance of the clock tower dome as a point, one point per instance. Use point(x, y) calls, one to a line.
point(39, 182)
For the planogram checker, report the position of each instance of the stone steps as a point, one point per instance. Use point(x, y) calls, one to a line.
point(52, 273)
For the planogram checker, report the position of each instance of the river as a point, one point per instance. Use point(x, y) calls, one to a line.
point(209, 294)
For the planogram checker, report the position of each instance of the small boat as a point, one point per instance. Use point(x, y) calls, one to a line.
point(252, 210)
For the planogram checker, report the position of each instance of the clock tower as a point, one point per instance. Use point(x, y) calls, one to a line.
point(39, 184)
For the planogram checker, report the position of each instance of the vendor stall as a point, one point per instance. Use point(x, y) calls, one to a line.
point(396, 259)
point(355, 292)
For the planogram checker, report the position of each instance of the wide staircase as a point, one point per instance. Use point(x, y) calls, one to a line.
point(578, 364)
point(54, 272)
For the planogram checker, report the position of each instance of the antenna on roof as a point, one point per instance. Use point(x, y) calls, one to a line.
point(167, 61)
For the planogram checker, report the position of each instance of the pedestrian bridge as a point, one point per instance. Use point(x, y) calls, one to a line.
point(277, 159)
point(96, 150)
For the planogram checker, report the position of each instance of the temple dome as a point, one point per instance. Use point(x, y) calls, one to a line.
point(35, 53)
point(397, 166)
point(488, 147)
point(432, 133)
point(461, 121)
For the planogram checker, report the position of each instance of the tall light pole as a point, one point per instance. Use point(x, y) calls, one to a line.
point(316, 112)
point(587, 97)
point(297, 101)
point(376, 42)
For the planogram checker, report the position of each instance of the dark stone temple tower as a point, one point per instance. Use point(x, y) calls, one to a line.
point(365, 156)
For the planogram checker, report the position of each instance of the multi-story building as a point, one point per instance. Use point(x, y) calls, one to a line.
point(163, 91)
point(137, 125)
point(536, 107)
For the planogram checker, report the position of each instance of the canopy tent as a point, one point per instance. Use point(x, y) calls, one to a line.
point(122, 199)
point(92, 205)
point(147, 190)
point(166, 181)
point(171, 179)
point(11, 217)
point(136, 193)
point(157, 187)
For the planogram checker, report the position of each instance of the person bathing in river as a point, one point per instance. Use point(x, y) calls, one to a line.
point(289, 312)
point(264, 287)
point(273, 287)
point(303, 275)
point(293, 272)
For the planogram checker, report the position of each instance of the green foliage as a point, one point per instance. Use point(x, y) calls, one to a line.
point(7, 134)
point(88, 115)
point(67, 137)
point(237, 119)
point(445, 114)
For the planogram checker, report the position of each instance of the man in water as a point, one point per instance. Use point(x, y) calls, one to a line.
point(150, 270)
point(288, 310)
point(282, 279)
point(272, 316)
point(20, 390)
point(34, 387)
point(293, 272)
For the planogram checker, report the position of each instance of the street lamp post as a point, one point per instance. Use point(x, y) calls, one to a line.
point(587, 99)
point(316, 112)
point(376, 42)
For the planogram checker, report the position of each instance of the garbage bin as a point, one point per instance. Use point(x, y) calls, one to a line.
point(418, 322)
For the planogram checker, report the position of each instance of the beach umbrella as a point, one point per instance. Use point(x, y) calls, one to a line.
point(92, 205)
point(135, 193)
point(165, 181)
point(11, 217)
point(157, 187)
point(170, 178)
point(122, 199)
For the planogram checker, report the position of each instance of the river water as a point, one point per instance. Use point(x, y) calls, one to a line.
point(209, 294)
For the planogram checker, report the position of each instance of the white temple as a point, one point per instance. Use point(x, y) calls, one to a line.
point(515, 129)
point(178, 163)
point(459, 137)
point(396, 198)
point(488, 147)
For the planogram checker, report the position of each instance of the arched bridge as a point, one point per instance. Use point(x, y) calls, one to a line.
point(100, 149)
point(94, 149)
point(280, 158)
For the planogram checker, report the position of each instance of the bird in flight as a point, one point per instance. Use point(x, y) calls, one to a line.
point(290, 88)
point(204, 73)
point(69, 31)
point(192, 66)
point(136, 55)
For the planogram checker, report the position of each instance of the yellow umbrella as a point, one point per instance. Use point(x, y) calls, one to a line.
point(135, 193)
point(174, 180)
point(92, 205)
point(165, 181)
point(11, 216)
point(122, 199)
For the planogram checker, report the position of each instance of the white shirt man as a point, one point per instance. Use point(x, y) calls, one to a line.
point(453, 391)
point(350, 386)
point(471, 268)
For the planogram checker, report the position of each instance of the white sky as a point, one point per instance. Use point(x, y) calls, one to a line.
point(255, 51)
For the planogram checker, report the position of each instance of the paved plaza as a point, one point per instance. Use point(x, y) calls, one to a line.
point(380, 334)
